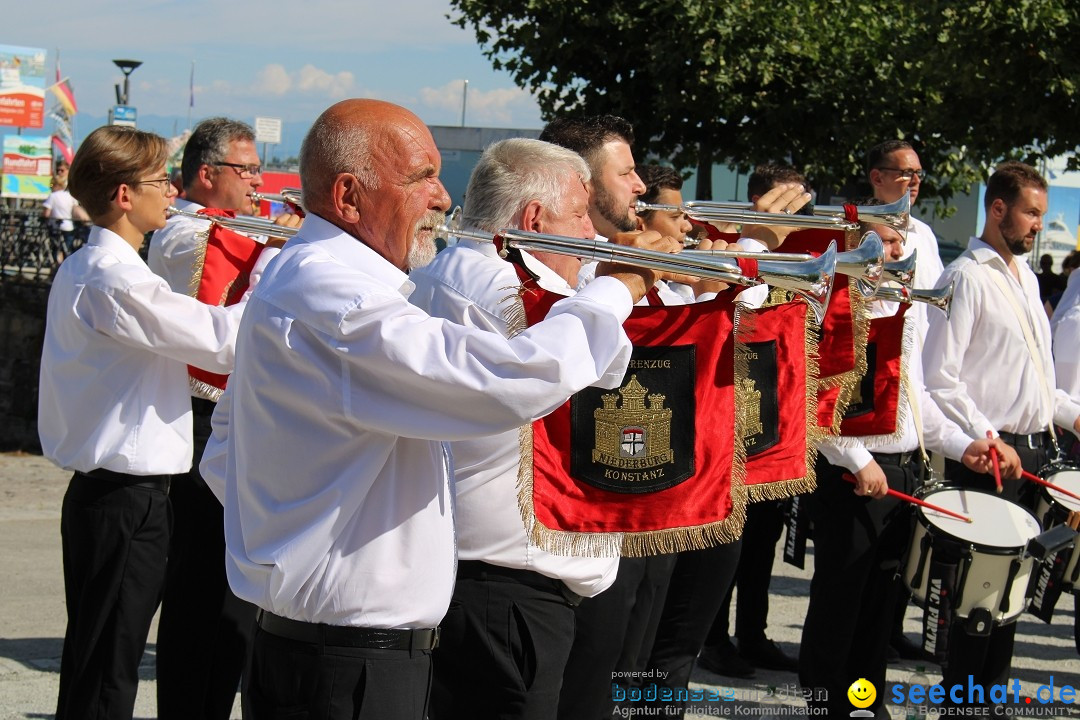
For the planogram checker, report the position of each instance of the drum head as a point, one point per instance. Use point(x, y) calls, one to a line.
point(1069, 480)
point(997, 522)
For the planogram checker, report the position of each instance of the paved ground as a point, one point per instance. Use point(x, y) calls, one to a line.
point(32, 615)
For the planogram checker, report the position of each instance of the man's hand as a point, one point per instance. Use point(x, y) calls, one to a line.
point(638, 280)
point(977, 458)
point(1076, 426)
point(703, 285)
point(871, 482)
point(285, 219)
point(785, 198)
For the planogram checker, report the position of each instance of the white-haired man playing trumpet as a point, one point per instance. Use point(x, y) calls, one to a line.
point(512, 614)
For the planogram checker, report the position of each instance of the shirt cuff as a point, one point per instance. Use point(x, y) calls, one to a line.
point(610, 292)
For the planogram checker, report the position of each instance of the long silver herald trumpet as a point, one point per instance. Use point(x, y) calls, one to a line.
point(286, 195)
point(894, 214)
point(812, 280)
point(241, 223)
point(941, 298)
point(865, 263)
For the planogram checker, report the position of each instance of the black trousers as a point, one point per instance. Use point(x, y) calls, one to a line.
point(764, 526)
point(988, 659)
point(291, 679)
point(645, 614)
point(859, 544)
point(598, 641)
point(204, 631)
point(115, 539)
point(698, 584)
point(503, 646)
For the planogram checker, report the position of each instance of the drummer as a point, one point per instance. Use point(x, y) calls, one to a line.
point(860, 535)
point(988, 366)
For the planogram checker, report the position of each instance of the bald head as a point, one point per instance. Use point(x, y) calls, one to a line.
point(371, 168)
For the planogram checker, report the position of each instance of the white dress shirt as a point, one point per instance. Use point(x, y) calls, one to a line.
point(928, 269)
point(1067, 351)
point(471, 285)
point(61, 207)
point(327, 444)
point(939, 433)
point(978, 366)
point(113, 392)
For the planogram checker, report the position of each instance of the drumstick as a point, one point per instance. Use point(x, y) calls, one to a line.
point(997, 464)
point(1040, 481)
point(916, 501)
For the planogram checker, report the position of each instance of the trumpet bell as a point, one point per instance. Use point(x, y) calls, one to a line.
point(901, 271)
point(865, 263)
point(941, 298)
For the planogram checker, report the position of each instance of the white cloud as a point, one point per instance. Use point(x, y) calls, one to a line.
point(481, 106)
point(276, 81)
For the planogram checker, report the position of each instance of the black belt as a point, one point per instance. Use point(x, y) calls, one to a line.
point(348, 636)
point(1032, 441)
point(900, 459)
point(153, 482)
point(479, 570)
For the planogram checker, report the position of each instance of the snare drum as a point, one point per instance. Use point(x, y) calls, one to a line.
point(1053, 508)
point(993, 574)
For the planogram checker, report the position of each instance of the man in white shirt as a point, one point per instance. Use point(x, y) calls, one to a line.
point(860, 535)
point(204, 630)
point(989, 368)
point(512, 614)
point(329, 442)
point(114, 408)
point(893, 168)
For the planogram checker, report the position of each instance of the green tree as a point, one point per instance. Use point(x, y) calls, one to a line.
point(814, 82)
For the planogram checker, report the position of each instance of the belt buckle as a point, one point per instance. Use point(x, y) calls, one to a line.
point(1031, 445)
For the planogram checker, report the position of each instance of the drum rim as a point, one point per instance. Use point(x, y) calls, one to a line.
point(987, 550)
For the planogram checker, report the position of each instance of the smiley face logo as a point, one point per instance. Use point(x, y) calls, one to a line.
point(862, 693)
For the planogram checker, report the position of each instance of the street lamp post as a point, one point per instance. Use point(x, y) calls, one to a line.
point(127, 67)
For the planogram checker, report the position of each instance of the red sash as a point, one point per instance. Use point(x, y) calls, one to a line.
point(874, 403)
point(653, 466)
point(220, 278)
point(776, 392)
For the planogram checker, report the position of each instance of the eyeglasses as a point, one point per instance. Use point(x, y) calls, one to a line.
point(246, 171)
point(163, 184)
point(906, 174)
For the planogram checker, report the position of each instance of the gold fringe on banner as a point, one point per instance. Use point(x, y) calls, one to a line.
point(907, 345)
point(783, 489)
point(199, 262)
point(634, 544)
point(204, 390)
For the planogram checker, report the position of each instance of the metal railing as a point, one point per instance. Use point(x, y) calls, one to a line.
point(31, 247)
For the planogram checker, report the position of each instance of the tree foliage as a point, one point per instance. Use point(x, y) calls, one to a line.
point(814, 82)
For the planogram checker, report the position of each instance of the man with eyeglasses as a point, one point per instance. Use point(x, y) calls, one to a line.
point(204, 629)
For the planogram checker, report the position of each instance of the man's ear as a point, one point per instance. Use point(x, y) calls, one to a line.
point(205, 177)
point(345, 194)
point(998, 209)
point(875, 178)
point(532, 217)
point(640, 222)
point(123, 198)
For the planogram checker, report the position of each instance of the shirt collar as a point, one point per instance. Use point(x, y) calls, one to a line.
point(984, 254)
point(352, 252)
point(547, 278)
point(115, 244)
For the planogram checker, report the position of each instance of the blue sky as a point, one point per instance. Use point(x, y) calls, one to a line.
point(271, 58)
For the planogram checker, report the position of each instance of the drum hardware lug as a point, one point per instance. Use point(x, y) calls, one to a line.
point(961, 577)
point(979, 622)
point(1014, 568)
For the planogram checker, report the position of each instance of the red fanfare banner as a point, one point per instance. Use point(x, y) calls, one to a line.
point(873, 407)
point(776, 395)
point(654, 466)
point(222, 279)
point(842, 342)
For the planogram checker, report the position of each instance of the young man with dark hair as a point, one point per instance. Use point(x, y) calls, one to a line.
point(114, 408)
point(989, 367)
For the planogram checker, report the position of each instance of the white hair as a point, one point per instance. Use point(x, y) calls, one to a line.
point(512, 173)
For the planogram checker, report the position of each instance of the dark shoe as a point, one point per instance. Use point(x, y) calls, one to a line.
point(907, 649)
point(724, 660)
point(764, 653)
point(892, 655)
